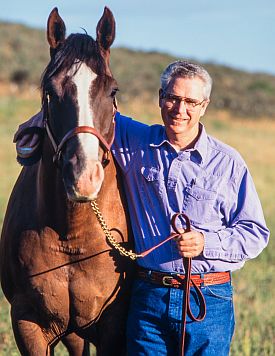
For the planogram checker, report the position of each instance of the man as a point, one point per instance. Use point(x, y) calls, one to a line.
point(175, 168)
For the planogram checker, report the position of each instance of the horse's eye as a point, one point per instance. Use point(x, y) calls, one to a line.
point(114, 91)
point(51, 94)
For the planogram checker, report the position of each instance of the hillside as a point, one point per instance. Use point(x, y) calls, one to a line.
point(22, 60)
point(24, 54)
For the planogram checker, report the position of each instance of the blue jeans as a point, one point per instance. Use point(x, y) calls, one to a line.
point(154, 321)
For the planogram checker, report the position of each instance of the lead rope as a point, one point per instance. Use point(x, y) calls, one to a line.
point(186, 309)
point(123, 252)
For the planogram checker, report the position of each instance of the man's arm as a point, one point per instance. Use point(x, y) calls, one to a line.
point(246, 233)
point(129, 135)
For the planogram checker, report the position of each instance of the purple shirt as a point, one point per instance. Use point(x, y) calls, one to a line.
point(210, 183)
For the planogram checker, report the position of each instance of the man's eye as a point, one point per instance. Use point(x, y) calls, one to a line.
point(52, 95)
point(172, 98)
point(190, 102)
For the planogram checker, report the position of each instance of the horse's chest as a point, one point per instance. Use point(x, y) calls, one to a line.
point(44, 252)
point(66, 275)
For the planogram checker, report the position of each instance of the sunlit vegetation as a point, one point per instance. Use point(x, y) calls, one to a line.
point(241, 114)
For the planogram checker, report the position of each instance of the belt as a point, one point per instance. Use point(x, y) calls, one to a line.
point(175, 280)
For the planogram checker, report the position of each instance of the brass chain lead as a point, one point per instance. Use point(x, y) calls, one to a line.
point(123, 252)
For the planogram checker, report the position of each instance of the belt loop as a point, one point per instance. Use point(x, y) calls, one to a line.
point(202, 279)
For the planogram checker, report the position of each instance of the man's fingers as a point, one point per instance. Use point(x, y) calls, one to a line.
point(188, 254)
point(190, 244)
point(187, 248)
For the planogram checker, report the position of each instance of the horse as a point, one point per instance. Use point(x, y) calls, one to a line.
point(60, 274)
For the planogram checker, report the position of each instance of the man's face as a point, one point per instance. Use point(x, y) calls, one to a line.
point(179, 116)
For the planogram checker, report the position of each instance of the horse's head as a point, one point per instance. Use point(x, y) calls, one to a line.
point(79, 101)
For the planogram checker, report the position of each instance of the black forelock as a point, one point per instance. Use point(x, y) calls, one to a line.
point(77, 47)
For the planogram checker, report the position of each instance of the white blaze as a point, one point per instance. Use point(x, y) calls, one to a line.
point(83, 80)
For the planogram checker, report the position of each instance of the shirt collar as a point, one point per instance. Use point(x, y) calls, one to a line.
point(200, 146)
point(160, 139)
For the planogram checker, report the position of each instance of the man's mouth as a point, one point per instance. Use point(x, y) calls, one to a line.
point(179, 120)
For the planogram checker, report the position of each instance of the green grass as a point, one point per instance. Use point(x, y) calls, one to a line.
point(254, 284)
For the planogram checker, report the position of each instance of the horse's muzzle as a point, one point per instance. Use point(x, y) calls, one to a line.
point(86, 185)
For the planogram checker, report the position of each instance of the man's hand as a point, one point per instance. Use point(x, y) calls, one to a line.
point(190, 244)
point(29, 140)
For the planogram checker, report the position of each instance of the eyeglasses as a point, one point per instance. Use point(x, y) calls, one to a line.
point(172, 100)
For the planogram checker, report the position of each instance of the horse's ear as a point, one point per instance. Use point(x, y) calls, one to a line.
point(56, 29)
point(105, 29)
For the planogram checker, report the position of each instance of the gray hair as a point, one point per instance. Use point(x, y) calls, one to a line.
point(185, 69)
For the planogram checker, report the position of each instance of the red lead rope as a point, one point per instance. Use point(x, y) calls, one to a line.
point(187, 281)
point(186, 309)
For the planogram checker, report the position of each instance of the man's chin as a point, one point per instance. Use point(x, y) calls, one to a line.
point(175, 130)
point(178, 126)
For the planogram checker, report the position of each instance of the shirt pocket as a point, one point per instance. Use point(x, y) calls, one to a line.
point(152, 182)
point(200, 205)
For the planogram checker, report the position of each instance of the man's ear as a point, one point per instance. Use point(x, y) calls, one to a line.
point(204, 107)
point(160, 97)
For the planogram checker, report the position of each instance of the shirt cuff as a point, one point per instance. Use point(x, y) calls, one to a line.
point(213, 248)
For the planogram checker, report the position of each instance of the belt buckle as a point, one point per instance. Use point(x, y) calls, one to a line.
point(165, 280)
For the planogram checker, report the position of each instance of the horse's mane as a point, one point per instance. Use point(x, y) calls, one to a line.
point(76, 48)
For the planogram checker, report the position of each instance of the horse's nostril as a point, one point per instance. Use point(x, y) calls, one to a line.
point(73, 160)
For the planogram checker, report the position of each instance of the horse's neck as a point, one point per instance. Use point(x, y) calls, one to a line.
point(57, 211)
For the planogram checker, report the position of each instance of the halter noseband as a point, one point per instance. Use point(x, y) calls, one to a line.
point(73, 132)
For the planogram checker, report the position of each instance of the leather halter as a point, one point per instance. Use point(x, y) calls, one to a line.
point(58, 147)
point(73, 132)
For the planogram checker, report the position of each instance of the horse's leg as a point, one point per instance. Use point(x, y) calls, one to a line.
point(75, 345)
point(29, 338)
point(110, 346)
point(111, 332)
point(28, 335)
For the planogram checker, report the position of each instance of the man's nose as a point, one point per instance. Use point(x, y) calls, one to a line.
point(180, 106)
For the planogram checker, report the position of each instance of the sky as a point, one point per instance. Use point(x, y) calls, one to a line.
point(236, 33)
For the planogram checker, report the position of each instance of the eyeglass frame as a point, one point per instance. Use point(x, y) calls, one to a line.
point(164, 94)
